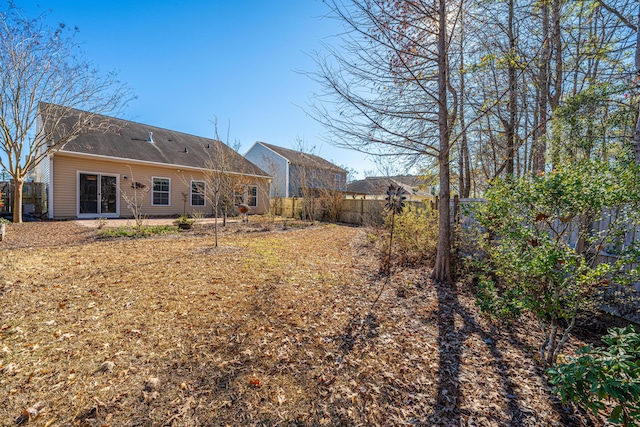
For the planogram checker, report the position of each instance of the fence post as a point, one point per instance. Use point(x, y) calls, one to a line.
point(456, 208)
point(434, 204)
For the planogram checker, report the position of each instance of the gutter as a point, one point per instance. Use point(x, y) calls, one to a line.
point(148, 163)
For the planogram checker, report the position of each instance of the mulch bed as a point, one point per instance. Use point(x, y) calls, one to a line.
point(46, 233)
point(273, 327)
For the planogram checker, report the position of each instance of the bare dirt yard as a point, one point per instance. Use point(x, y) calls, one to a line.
point(270, 328)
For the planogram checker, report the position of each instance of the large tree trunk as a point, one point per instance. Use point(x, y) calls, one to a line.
point(442, 268)
point(17, 200)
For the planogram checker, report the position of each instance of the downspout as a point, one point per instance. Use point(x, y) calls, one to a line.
point(287, 180)
point(50, 189)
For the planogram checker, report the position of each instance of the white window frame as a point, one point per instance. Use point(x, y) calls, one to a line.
point(203, 194)
point(153, 191)
point(99, 174)
point(248, 196)
point(244, 194)
point(239, 196)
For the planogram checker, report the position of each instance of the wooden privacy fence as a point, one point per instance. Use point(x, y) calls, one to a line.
point(356, 211)
point(32, 197)
point(620, 300)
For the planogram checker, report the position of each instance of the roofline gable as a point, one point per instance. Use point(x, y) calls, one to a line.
point(324, 163)
point(265, 145)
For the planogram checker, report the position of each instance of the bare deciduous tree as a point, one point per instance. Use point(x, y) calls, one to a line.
point(135, 198)
point(319, 183)
point(38, 65)
point(220, 178)
point(390, 89)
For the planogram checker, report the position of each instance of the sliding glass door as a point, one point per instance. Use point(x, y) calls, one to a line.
point(97, 195)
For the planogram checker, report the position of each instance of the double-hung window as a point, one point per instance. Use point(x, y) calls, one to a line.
point(252, 195)
point(238, 196)
point(161, 188)
point(247, 194)
point(197, 193)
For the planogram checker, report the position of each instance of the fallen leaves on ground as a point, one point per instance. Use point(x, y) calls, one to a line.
point(270, 328)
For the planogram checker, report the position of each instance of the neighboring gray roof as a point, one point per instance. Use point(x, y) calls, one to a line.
point(375, 185)
point(304, 159)
point(128, 140)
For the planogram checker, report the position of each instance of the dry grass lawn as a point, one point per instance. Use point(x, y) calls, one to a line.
point(271, 328)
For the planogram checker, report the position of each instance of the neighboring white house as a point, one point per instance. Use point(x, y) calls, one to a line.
point(375, 187)
point(291, 170)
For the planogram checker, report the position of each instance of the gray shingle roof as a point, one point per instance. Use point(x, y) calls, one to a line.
point(304, 159)
point(379, 185)
point(129, 140)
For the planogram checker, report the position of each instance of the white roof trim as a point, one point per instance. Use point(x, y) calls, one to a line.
point(273, 151)
point(146, 162)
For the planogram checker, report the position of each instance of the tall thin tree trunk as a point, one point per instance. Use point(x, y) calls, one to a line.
point(636, 135)
point(556, 38)
point(526, 143)
point(215, 223)
point(464, 179)
point(17, 200)
point(513, 95)
point(442, 268)
point(539, 148)
point(636, 140)
point(467, 167)
point(558, 78)
point(534, 140)
point(461, 171)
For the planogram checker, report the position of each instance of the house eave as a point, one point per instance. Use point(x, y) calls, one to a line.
point(148, 163)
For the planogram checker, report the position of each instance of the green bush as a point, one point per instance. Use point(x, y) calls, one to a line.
point(540, 245)
point(600, 375)
point(415, 237)
point(502, 303)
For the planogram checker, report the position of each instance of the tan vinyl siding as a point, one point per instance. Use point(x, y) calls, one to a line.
point(65, 186)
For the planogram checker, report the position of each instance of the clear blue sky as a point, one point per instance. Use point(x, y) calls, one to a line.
point(188, 61)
